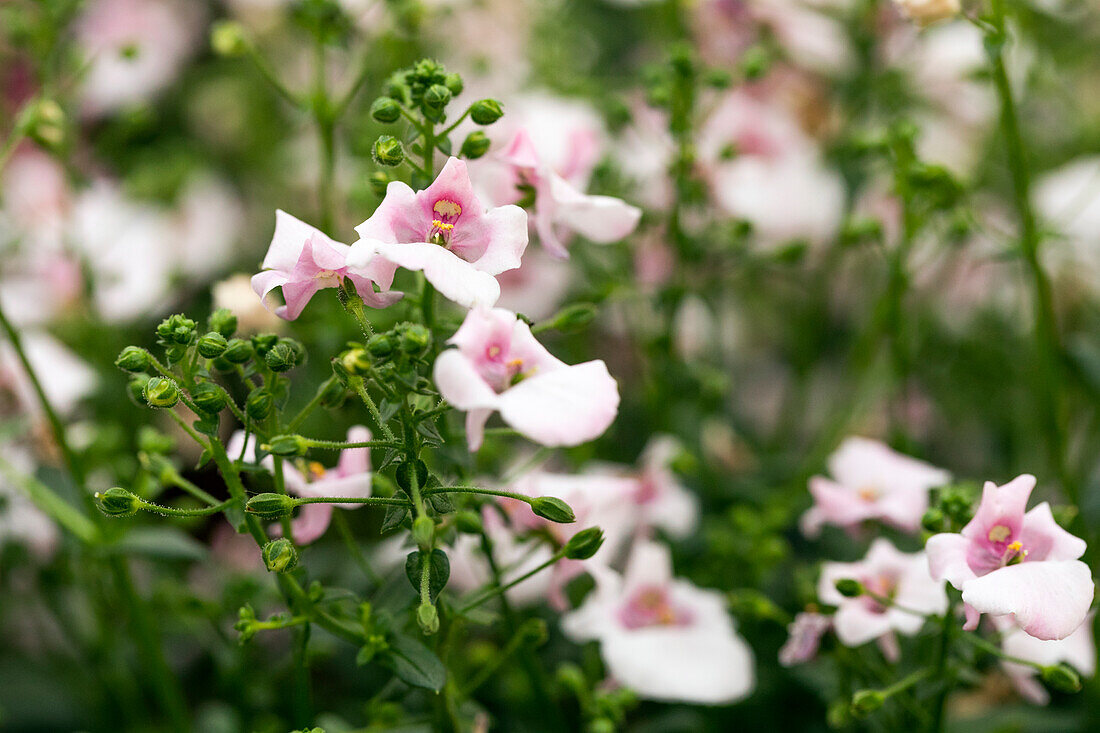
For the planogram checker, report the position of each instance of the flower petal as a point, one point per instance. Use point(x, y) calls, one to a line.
point(947, 558)
point(455, 278)
point(566, 406)
point(601, 219)
point(1049, 599)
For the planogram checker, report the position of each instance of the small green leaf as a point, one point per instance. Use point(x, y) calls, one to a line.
point(395, 514)
point(415, 664)
point(438, 573)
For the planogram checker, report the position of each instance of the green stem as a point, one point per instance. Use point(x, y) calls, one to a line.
point(368, 500)
point(361, 389)
point(343, 445)
point(269, 74)
point(310, 406)
point(341, 522)
point(498, 589)
point(996, 651)
point(51, 504)
point(945, 675)
point(175, 512)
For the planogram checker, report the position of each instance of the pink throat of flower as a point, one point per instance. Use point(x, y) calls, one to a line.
point(651, 606)
point(502, 370)
point(445, 214)
point(883, 585)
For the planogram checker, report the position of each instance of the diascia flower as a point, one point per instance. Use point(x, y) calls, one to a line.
point(1007, 562)
point(901, 577)
point(302, 260)
point(663, 638)
point(871, 481)
point(498, 365)
point(445, 232)
point(1077, 650)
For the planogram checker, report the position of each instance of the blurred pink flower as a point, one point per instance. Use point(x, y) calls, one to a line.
point(66, 378)
point(537, 287)
point(1077, 650)
point(1007, 562)
point(803, 638)
point(499, 366)
point(663, 638)
point(445, 232)
point(871, 481)
point(899, 576)
point(302, 260)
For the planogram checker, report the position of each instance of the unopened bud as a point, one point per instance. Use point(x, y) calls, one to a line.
point(486, 111)
point(117, 502)
point(415, 338)
point(176, 329)
point(572, 318)
point(209, 398)
point(1062, 678)
point(584, 544)
point(385, 110)
point(454, 83)
point(849, 587)
point(161, 392)
point(355, 361)
point(44, 122)
point(423, 532)
point(934, 520)
point(237, 351)
point(379, 181)
point(285, 355)
point(280, 555)
point(223, 321)
point(866, 702)
point(388, 151)
point(228, 38)
point(288, 446)
point(554, 509)
point(264, 342)
point(428, 618)
point(436, 97)
point(380, 345)
point(270, 506)
point(475, 145)
point(258, 405)
point(133, 359)
point(212, 345)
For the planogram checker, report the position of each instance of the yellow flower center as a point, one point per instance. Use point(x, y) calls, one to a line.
point(999, 533)
point(868, 493)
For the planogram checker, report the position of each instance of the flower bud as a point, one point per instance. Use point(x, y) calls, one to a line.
point(934, 520)
point(44, 122)
point(866, 702)
point(136, 388)
point(428, 618)
point(161, 392)
point(264, 342)
point(475, 145)
point(415, 338)
point(280, 555)
point(436, 97)
point(849, 587)
point(927, 12)
point(212, 345)
point(423, 532)
point(554, 509)
point(468, 522)
point(284, 356)
point(1062, 678)
point(388, 151)
point(572, 678)
point(333, 394)
point(454, 83)
point(133, 359)
point(584, 544)
point(385, 110)
point(117, 502)
point(237, 351)
point(287, 446)
point(258, 404)
point(379, 181)
point(355, 361)
point(602, 725)
point(223, 321)
point(380, 345)
point(270, 506)
point(486, 111)
point(209, 398)
point(572, 318)
point(228, 38)
point(176, 329)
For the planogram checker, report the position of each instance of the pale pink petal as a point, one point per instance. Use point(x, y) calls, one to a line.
point(311, 522)
point(601, 219)
point(947, 558)
point(392, 221)
point(1045, 540)
point(475, 427)
point(507, 226)
point(355, 460)
point(460, 384)
point(856, 625)
point(291, 235)
point(567, 406)
point(650, 564)
point(1049, 599)
point(455, 278)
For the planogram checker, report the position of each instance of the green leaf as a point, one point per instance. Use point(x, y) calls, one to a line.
point(395, 514)
point(441, 503)
point(415, 664)
point(438, 573)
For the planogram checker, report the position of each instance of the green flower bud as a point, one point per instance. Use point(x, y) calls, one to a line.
point(264, 342)
point(1062, 678)
point(388, 151)
point(436, 97)
point(475, 145)
point(117, 502)
point(468, 522)
point(571, 677)
point(849, 587)
point(486, 111)
point(209, 398)
point(237, 351)
point(839, 714)
point(136, 388)
point(284, 356)
point(415, 338)
point(866, 702)
point(333, 394)
point(161, 392)
point(385, 110)
point(176, 329)
point(934, 520)
point(258, 404)
point(423, 532)
point(584, 544)
point(454, 83)
point(572, 318)
point(280, 556)
point(44, 122)
point(228, 38)
point(355, 361)
point(287, 446)
point(428, 618)
point(379, 182)
point(380, 345)
point(223, 321)
point(212, 345)
point(270, 506)
point(133, 359)
point(554, 509)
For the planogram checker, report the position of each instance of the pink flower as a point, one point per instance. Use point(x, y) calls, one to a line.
point(1077, 650)
point(871, 481)
point(350, 478)
point(804, 638)
point(885, 571)
point(661, 500)
point(663, 638)
point(65, 378)
point(559, 205)
point(302, 260)
point(445, 232)
point(499, 366)
point(1007, 562)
